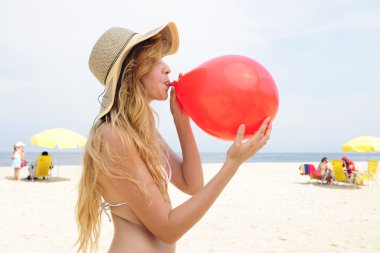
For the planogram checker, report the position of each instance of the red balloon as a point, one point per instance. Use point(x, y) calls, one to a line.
point(227, 91)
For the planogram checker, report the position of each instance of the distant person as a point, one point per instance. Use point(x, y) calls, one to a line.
point(349, 168)
point(324, 169)
point(18, 158)
point(32, 168)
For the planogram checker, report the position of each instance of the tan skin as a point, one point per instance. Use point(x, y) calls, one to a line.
point(324, 168)
point(148, 223)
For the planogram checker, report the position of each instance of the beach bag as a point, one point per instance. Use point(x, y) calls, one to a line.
point(23, 163)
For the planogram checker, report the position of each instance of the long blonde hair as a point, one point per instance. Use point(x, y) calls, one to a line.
point(132, 118)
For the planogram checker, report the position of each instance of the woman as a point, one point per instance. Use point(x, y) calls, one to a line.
point(126, 161)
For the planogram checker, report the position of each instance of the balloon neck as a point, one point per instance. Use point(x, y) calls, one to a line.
point(174, 83)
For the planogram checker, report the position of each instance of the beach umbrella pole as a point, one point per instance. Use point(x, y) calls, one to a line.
point(58, 160)
point(368, 168)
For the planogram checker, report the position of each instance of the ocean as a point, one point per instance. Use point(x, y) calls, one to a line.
point(75, 158)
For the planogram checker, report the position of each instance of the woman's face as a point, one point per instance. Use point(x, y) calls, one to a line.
point(156, 82)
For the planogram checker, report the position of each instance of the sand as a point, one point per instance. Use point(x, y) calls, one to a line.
point(267, 207)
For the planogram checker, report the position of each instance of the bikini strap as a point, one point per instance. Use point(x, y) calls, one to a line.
point(107, 206)
point(169, 177)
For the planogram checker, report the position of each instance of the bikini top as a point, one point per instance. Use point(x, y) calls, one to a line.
point(106, 206)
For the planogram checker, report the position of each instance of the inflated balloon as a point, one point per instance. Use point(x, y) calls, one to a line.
point(227, 91)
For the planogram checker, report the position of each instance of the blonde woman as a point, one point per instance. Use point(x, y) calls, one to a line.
point(128, 165)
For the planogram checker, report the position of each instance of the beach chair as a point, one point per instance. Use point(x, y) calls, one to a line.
point(369, 175)
point(43, 167)
point(311, 171)
point(339, 175)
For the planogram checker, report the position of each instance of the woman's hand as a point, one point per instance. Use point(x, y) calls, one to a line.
point(176, 108)
point(240, 151)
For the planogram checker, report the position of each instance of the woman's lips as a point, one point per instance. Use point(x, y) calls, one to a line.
point(170, 83)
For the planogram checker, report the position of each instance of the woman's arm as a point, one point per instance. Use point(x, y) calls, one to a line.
point(187, 172)
point(157, 215)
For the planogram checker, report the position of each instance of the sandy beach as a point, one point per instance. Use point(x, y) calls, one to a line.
point(267, 207)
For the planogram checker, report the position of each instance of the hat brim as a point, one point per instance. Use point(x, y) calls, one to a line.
point(20, 144)
point(169, 32)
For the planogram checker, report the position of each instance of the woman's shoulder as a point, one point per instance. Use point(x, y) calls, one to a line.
point(109, 131)
point(115, 136)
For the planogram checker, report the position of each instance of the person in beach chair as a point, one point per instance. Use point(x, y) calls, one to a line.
point(339, 173)
point(349, 168)
point(42, 167)
point(311, 171)
point(325, 171)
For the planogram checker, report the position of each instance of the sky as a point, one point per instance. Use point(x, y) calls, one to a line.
point(323, 55)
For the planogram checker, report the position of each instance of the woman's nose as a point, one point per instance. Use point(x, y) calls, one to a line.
point(166, 68)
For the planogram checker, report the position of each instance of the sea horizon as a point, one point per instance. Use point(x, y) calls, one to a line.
point(75, 158)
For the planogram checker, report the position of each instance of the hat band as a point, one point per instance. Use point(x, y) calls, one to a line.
point(114, 60)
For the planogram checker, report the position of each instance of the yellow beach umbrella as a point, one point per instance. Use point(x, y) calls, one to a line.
point(362, 144)
point(60, 138)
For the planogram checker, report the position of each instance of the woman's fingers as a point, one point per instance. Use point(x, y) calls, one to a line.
point(268, 130)
point(176, 107)
point(240, 133)
point(240, 151)
point(263, 132)
point(173, 95)
point(260, 138)
point(264, 126)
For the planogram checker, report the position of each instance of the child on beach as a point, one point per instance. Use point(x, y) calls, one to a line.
point(17, 158)
point(127, 165)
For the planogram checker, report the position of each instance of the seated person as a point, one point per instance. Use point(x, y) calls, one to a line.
point(32, 167)
point(349, 169)
point(325, 170)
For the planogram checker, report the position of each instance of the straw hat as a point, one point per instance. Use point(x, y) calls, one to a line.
point(110, 51)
